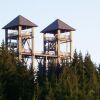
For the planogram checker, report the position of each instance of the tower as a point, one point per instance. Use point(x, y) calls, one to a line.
point(19, 35)
point(54, 35)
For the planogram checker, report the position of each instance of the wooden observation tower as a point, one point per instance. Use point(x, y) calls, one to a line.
point(59, 33)
point(19, 35)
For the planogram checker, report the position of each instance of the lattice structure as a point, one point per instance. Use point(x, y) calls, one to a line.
point(19, 35)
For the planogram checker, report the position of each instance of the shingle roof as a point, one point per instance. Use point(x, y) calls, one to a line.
point(57, 25)
point(19, 21)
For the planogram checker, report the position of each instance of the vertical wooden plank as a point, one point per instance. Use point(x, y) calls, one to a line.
point(46, 64)
point(44, 42)
point(71, 46)
point(6, 37)
point(33, 55)
point(19, 42)
point(58, 45)
point(66, 45)
point(48, 47)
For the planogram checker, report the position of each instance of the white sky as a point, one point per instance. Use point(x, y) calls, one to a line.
point(83, 15)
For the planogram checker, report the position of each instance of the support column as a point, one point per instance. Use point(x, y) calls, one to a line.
point(71, 46)
point(46, 64)
point(66, 46)
point(6, 37)
point(33, 55)
point(44, 44)
point(56, 48)
point(58, 45)
point(48, 47)
point(19, 42)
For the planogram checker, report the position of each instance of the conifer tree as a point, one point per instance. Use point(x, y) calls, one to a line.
point(79, 80)
point(91, 83)
point(16, 80)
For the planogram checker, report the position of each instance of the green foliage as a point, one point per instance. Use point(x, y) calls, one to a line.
point(16, 81)
point(79, 80)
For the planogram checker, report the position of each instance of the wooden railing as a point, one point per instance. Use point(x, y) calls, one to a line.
point(50, 38)
point(22, 34)
point(65, 54)
point(12, 44)
point(12, 34)
point(64, 37)
point(67, 37)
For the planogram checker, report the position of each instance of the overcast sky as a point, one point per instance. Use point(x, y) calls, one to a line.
point(83, 15)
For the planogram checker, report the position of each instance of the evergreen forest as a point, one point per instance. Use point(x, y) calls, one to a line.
point(77, 80)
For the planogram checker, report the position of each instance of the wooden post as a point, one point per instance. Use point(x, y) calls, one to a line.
point(19, 42)
point(44, 40)
point(48, 47)
point(58, 45)
point(6, 37)
point(71, 46)
point(66, 46)
point(46, 63)
point(33, 56)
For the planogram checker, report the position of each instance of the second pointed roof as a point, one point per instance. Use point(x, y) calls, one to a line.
point(19, 21)
point(58, 25)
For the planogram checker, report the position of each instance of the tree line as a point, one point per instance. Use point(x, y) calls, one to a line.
point(78, 80)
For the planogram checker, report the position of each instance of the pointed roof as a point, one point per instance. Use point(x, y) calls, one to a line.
point(19, 21)
point(57, 25)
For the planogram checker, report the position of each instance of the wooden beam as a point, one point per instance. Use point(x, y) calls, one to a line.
point(58, 45)
point(66, 46)
point(33, 55)
point(44, 42)
point(19, 42)
point(71, 46)
point(46, 63)
point(56, 51)
point(6, 37)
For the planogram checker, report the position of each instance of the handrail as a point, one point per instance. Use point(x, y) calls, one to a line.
point(64, 54)
point(13, 34)
point(16, 33)
point(50, 38)
point(47, 53)
point(12, 44)
point(26, 33)
point(65, 37)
